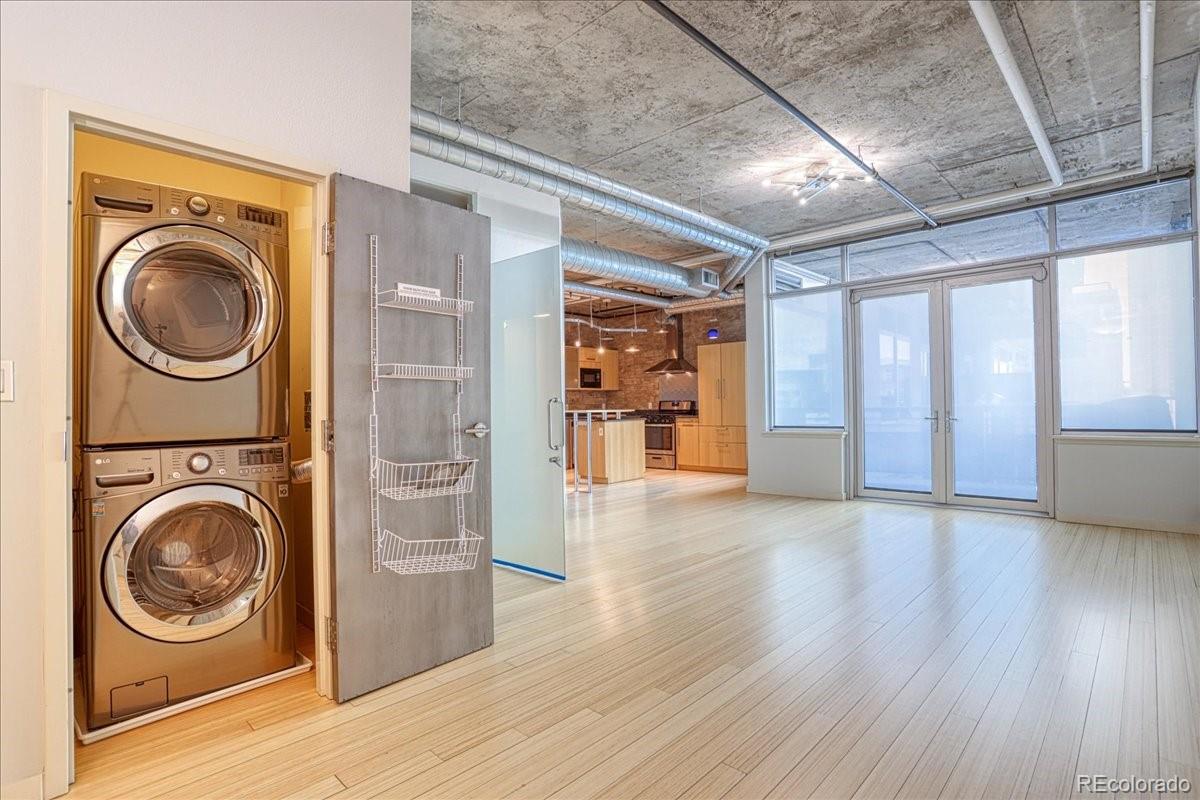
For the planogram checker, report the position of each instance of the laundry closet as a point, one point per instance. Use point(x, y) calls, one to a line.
point(192, 384)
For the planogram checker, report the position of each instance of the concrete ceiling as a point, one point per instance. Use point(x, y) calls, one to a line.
point(613, 86)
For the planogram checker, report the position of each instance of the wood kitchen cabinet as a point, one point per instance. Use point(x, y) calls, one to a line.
point(721, 426)
point(618, 450)
point(575, 358)
point(687, 443)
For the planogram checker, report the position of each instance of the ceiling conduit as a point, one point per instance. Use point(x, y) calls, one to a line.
point(452, 131)
point(618, 265)
point(570, 192)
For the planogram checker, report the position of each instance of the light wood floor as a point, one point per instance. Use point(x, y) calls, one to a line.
point(715, 644)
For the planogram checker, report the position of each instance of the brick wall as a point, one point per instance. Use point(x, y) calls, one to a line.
point(639, 390)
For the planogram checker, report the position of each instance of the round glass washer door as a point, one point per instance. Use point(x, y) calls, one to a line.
point(190, 301)
point(194, 563)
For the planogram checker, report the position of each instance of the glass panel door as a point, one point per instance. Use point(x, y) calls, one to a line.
point(951, 391)
point(992, 422)
point(898, 384)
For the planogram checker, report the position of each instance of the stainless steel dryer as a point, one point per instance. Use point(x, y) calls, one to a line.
point(187, 569)
point(181, 299)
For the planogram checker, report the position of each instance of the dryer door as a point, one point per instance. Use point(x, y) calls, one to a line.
point(190, 301)
point(194, 563)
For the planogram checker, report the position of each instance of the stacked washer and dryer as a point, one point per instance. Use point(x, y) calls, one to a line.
point(183, 555)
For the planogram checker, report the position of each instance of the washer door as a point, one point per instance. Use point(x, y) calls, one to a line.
point(190, 301)
point(194, 563)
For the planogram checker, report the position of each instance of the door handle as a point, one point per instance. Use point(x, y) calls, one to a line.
point(934, 419)
point(478, 430)
point(556, 460)
point(550, 423)
point(950, 419)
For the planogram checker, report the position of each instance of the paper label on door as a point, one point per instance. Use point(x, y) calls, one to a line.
point(420, 291)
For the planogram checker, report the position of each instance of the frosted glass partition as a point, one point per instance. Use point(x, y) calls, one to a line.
point(807, 360)
point(993, 415)
point(1132, 214)
point(1004, 236)
point(806, 270)
point(897, 393)
point(1126, 340)
point(528, 504)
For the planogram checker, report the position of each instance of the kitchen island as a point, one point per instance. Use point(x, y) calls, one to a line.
point(618, 445)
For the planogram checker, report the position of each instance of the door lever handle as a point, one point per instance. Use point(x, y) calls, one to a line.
point(478, 430)
point(934, 420)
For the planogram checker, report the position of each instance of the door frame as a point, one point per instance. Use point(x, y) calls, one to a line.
point(937, 287)
point(62, 116)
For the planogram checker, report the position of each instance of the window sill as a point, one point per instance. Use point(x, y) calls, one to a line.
point(801, 433)
point(1144, 439)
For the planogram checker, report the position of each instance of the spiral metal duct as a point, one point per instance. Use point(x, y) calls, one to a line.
point(618, 265)
point(570, 192)
point(451, 131)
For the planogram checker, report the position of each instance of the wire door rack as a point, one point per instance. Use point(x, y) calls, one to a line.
point(393, 480)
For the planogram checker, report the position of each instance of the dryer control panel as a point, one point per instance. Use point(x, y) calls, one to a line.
point(113, 472)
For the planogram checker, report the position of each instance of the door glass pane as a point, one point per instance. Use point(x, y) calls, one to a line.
point(992, 353)
point(193, 304)
point(196, 559)
point(1126, 340)
point(897, 445)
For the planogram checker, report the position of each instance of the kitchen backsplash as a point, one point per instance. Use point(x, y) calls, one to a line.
point(639, 390)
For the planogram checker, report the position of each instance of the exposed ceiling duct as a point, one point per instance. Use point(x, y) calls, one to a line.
point(618, 265)
point(452, 131)
point(570, 192)
point(573, 319)
point(676, 364)
point(678, 305)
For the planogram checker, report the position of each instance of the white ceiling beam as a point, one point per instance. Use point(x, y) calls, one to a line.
point(989, 23)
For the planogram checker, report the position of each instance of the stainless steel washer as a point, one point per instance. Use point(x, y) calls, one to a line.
point(188, 578)
point(182, 302)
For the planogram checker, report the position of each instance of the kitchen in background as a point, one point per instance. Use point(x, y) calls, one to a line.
point(706, 406)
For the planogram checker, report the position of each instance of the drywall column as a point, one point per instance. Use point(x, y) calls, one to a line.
point(290, 103)
point(801, 463)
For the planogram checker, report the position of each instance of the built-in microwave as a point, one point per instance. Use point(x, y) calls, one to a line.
point(589, 378)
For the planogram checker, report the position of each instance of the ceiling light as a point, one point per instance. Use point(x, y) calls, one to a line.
point(796, 192)
point(836, 183)
point(803, 201)
point(578, 343)
point(633, 348)
point(869, 179)
point(600, 349)
point(766, 181)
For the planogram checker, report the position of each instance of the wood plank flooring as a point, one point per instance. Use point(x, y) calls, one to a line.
point(716, 644)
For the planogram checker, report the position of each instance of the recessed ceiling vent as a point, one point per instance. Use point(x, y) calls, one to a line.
point(708, 279)
point(676, 364)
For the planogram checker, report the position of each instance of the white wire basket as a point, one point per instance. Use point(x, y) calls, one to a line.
point(429, 479)
point(449, 306)
point(415, 556)
point(424, 372)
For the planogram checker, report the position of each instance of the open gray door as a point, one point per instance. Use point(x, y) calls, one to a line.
point(411, 532)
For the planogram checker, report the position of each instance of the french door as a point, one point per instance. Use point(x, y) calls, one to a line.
point(951, 390)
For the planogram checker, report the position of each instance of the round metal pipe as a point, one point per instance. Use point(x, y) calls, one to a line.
point(569, 192)
point(616, 294)
point(606, 262)
point(457, 132)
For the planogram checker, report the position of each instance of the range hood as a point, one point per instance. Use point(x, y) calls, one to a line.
point(676, 364)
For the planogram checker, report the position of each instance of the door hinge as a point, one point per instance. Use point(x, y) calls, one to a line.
point(331, 634)
point(327, 435)
point(327, 237)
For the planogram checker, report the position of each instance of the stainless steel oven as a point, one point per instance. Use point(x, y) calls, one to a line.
point(660, 443)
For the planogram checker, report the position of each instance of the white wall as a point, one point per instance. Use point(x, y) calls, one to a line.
point(325, 83)
point(1129, 483)
point(799, 463)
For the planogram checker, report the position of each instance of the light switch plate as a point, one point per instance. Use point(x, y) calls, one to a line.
point(6, 382)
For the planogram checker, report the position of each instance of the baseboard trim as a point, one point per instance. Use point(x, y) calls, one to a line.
point(527, 570)
point(25, 789)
